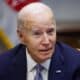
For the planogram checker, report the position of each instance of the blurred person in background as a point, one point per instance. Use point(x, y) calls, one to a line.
point(36, 30)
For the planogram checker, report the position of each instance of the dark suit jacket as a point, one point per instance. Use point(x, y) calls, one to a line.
point(64, 64)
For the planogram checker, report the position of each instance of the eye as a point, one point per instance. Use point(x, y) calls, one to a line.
point(37, 33)
point(50, 31)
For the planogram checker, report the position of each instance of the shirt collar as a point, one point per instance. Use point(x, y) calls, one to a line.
point(31, 63)
point(46, 64)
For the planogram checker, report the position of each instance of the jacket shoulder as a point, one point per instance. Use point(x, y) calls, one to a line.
point(67, 48)
point(70, 55)
point(7, 57)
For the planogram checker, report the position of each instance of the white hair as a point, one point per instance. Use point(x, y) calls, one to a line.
point(32, 8)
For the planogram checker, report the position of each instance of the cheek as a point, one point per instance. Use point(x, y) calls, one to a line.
point(31, 42)
point(53, 38)
point(35, 44)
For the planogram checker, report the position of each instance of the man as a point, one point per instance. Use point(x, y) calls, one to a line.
point(37, 32)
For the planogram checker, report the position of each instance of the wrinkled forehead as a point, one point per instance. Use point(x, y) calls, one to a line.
point(41, 19)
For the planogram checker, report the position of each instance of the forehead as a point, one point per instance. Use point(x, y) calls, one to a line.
point(42, 28)
point(39, 20)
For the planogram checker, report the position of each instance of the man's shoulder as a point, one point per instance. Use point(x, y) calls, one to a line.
point(11, 50)
point(67, 48)
point(11, 53)
point(67, 59)
point(7, 58)
point(68, 53)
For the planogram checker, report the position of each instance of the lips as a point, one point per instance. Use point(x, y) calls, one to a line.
point(45, 50)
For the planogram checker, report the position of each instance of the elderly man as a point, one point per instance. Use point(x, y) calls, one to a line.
point(39, 56)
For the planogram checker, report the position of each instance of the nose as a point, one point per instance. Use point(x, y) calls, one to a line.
point(45, 39)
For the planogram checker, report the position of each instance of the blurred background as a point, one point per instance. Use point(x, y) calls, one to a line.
point(67, 15)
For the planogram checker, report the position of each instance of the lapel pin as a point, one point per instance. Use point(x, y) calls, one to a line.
point(58, 71)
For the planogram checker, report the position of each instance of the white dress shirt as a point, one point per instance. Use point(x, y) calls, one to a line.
point(31, 72)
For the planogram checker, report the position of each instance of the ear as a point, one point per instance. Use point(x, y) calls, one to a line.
point(20, 35)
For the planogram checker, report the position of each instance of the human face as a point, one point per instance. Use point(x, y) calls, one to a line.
point(40, 38)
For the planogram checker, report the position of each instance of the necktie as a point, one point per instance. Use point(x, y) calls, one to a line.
point(38, 75)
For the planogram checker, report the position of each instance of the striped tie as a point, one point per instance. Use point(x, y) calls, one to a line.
point(38, 75)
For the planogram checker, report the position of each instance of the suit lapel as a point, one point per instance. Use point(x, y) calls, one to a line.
point(56, 71)
point(20, 63)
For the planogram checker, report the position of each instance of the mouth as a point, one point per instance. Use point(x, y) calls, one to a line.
point(45, 50)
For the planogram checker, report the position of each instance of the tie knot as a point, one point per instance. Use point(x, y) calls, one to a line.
point(39, 67)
